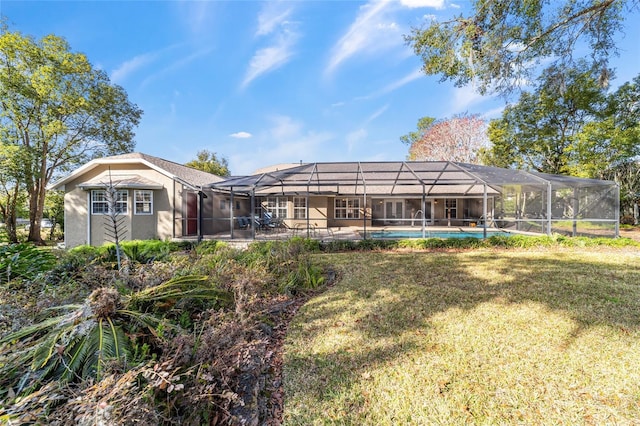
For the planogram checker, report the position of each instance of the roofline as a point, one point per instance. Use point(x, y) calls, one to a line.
point(106, 161)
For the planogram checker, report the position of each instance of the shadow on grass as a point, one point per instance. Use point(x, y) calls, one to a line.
point(386, 295)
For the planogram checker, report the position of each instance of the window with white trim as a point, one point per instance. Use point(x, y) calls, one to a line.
point(143, 201)
point(277, 206)
point(347, 208)
point(299, 207)
point(100, 201)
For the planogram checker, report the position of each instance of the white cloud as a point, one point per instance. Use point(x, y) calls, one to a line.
point(241, 135)
point(377, 114)
point(284, 141)
point(197, 16)
point(272, 16)
point(395, 85)
point(414, 4)
point(129, 67)
point(371, 32)
point(464, 98)
point(269, 59)
point(272, 19)
point(353, 138)
point(493, 113)
point(177, 64)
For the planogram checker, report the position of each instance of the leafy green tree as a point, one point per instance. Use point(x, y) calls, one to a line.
point(209, 162)
point(54, 210)
point(500, 42)
point(423, 125)
point(614, 137)
point(12, 193)
point(627, 175)
point(58, 111)
point(568, 125)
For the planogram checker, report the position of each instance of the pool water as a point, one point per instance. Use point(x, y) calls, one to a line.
point(433, 234)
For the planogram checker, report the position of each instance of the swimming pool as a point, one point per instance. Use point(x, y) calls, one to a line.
point(434, 234)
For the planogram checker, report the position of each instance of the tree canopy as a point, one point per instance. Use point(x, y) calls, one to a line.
point(209, 162)
point(568, 125)
point(58, 111)
point(627, 175)
point(498, 45)
point(459, 138)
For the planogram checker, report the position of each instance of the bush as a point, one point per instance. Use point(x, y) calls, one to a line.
point(627, 220)
point(24, 261)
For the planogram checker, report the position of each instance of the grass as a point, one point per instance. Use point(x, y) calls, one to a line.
point(545, 336)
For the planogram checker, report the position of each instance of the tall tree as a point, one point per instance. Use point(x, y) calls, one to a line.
point(12, 194)
point(209, 162)
point(568, 125)
point(499, 44)
point(614, 136)
point(459, 138)
point(54, 211)
point(59, 111)
point(627, 175)
point(423, 125)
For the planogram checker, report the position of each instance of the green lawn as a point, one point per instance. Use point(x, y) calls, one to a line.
point(549, 336)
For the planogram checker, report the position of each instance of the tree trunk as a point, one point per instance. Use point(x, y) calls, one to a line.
point(10, 226)
point(37, 192)
point(10, 215)
point(36, 209)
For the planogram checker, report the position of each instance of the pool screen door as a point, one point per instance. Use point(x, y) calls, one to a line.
point(394, 211)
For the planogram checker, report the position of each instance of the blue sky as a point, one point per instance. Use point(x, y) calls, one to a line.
point(262, 83)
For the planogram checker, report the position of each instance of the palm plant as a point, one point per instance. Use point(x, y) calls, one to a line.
point(85, 339)
point(23, 260)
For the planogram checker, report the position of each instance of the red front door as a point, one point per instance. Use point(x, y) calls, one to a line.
point(192, 213)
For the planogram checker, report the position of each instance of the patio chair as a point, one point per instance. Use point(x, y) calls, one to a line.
point(243, 222)
point(267, 221)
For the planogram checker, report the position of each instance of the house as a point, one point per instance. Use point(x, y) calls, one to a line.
point(157, 198)
point(165, 200)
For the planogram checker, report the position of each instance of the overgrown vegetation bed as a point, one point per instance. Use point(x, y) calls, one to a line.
point(192, 334)
point(543, 336)
point(179, 335)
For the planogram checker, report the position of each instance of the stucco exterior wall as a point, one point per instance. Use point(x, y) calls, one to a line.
point(75, 217)
point(82, 227)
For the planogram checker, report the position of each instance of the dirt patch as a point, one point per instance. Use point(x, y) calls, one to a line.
point(633, 233)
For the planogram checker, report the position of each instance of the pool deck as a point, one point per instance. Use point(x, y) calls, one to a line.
point(243, 236)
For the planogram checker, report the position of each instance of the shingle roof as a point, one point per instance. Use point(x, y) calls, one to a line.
point(188, 174)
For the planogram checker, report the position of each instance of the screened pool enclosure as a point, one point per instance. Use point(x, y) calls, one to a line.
point(420, 195)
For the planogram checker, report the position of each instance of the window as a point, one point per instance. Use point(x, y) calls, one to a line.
point(277, 206)
point(450, 208)
point(223, 204)
point(299, 208)
point(347, 208)
point(100, 202)
point(143, 202)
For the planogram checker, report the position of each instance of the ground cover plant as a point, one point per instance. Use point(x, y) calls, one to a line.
point(177, 335)
point(546, 335)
